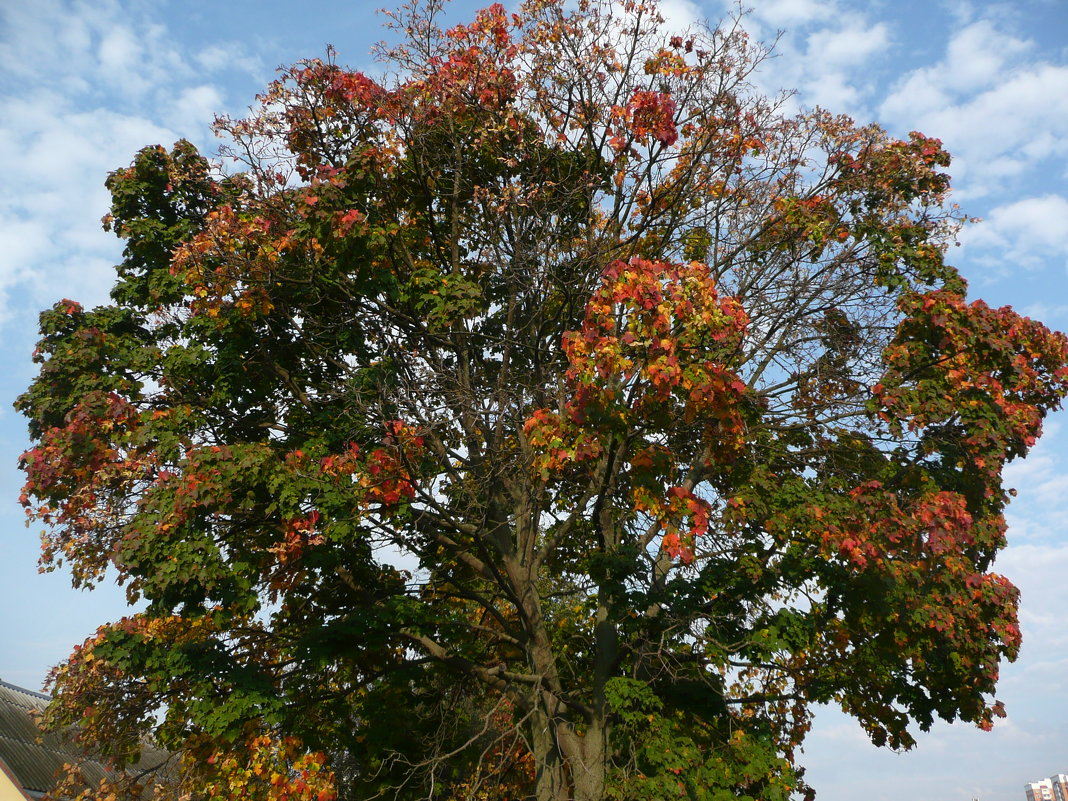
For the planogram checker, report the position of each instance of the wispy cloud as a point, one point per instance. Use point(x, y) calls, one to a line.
point(1037, 557)
point(1001, 110)
point(681, 14)
point(1026, 234)
point(121, 82)
point(823, 51)
point(785, 14)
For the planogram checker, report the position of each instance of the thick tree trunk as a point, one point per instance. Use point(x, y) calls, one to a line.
point(585, 756)
point(550, 774)
point(568, 766)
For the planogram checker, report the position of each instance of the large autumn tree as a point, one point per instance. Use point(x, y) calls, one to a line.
point(556, 417)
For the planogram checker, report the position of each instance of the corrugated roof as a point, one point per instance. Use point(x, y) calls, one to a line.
point(34, 757)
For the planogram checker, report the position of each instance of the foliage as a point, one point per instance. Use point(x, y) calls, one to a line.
point(557, 418)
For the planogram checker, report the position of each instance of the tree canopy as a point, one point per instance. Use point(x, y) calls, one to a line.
point(552, 416)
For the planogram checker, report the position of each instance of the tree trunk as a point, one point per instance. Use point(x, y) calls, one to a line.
point(585, 755)
point(550, 775)
point(568, 766)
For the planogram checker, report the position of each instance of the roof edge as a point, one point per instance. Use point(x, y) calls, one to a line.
point(8, 685)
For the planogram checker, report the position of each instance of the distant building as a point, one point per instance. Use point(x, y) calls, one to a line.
point(1054, 788)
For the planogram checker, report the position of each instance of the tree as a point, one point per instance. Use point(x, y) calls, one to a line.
point(557, 417)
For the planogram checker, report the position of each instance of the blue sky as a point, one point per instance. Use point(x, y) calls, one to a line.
point(85, 84)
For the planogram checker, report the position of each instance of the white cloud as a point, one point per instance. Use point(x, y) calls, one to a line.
point(680, 14)
point(218, 58)
point(824, 53)
point(103, 47)
point(1024, 234)
point(59, 157)
point(196, 105)
point(20, 242)
point(998, 112)
point(1051, 313)
point(1037, 557)
point(85, 84)
point(121, 82)
point(828, 70)
point(1038, 571)
point(850, 45)
point(119, 51)
point(792, 13)
point(978, 55)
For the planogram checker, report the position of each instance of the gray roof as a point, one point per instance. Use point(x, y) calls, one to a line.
point(36, 758)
